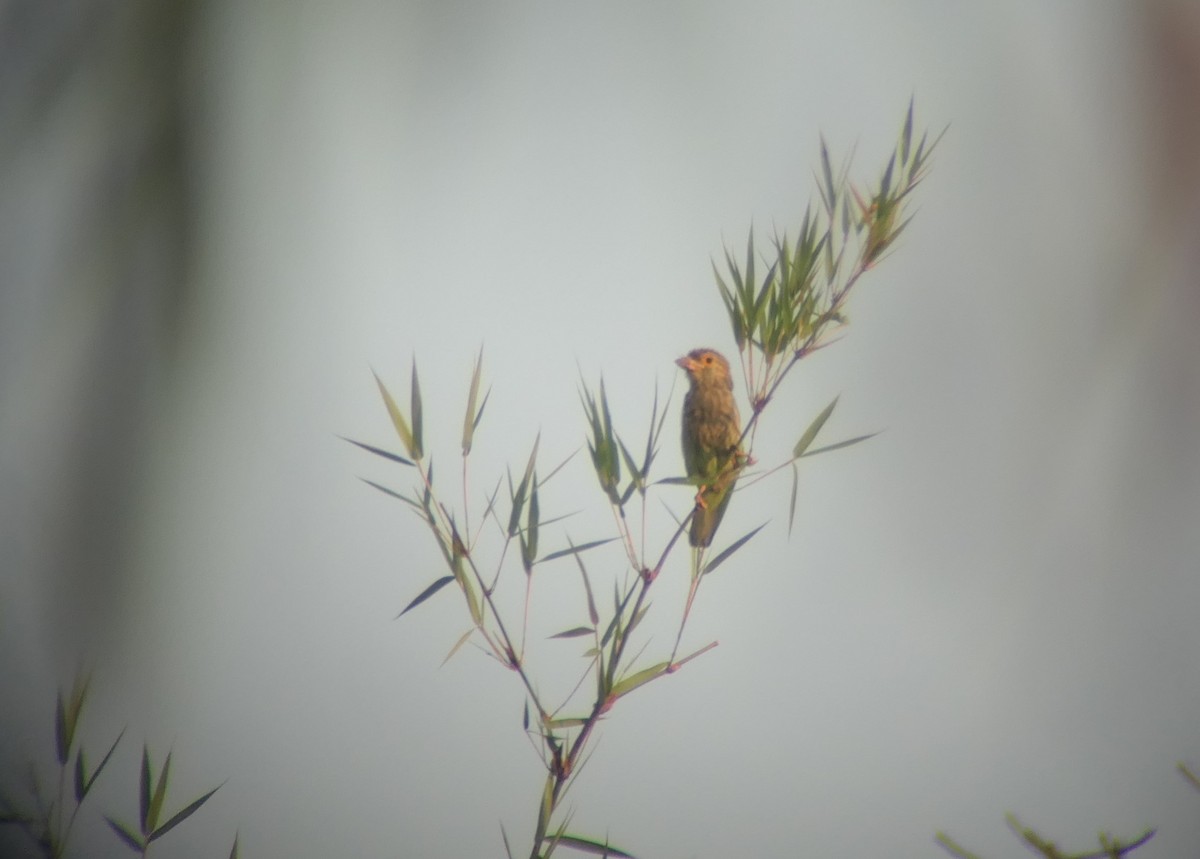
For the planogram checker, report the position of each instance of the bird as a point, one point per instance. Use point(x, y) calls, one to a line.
point(711, 436)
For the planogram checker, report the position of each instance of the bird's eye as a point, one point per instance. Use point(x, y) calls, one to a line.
point(708, 359)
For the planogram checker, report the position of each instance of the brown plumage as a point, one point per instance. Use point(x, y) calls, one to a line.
point(711, 431)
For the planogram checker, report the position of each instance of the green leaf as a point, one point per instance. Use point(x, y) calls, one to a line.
point(426, 594)
point(144, 792)
point(838, 445)
point(518, 497)
point(640, 678)
point(392, 492)
point(565, 722)
point(575, 632)
point(810, 434)
point(183, 815)
point(593, 615)
point(397, 417)
point(829, 190)
point(557, 468)
point(66, 717)
point(461, 641)
point(160, 797)
point(103, 763)
point(233, 854)
point(80, 780)
point(471, 418)
point(378, 451)
point(418, 445)
point(126, 834)
point(504, 835)
point(906, 134)
point(591, 845)
point(531, 528)
point(792, 505)
point(724, 556)
point(575, 550)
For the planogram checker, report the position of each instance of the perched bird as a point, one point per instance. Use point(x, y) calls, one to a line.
point(711, 432)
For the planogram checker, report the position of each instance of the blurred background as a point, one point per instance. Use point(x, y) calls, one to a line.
point(216, 218)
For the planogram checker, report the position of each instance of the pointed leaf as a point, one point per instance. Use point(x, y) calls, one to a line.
point(593, 615)
point(392, 492)
point(127, 835)
point(724, 556)
point(906, 134)
point(469, 417)
point(144, 789)
point(811, 433)
point(590, 845)
point(565, 722)
point(160, 796)
point(575, 550)
point(80, 780)
point(426, 594)
point(640, 678)
point(397, 417)
point(557, 468)
point(504, 835)
point(840, 444)
point(575, 632)
point(792, 504)
point(531, 527)
point(461, 641)
point(183, 815)
point(378, 451)
point(234, 854)
point(418, 444)
point(103, 763)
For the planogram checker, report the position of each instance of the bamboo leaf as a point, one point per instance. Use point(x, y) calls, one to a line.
point(593, 615)
point(144, 792)
point(725, 555)
point(159, 798)
point(392, 492)
point(426, 594)
point(592, 846)
point(810, 434)
point(504, 836)
point(575, 550)
point(838, 445)
point(461, 641)
point(906, 134)
point(80, 779)
point(104, 762)
point(469, 419)
point(565, 722)
point(640, 678)
point(378, 451)
point(531, 528)
point(792, 504)
point(418, 444)
point(398, 421)
point(183, 814)
point(127, 835)
point(575, 632)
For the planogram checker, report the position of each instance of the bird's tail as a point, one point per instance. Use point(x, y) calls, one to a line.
point(709, 514)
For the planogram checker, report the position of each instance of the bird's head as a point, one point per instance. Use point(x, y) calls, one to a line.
point(706, 367)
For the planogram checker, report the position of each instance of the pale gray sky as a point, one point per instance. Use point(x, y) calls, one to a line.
point(989, 607)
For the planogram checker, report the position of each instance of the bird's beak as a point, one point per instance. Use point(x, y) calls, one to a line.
point(685, 363)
